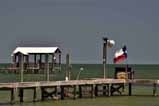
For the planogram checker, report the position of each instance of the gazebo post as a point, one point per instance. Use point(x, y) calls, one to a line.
point(47, 66)
point(27, 60)
point(35, 63)
point(14, 59)
point(53, 62)
point(35, 59)
point(60, 61)
point(14, 62)
point(40, 61)
point(40, 58)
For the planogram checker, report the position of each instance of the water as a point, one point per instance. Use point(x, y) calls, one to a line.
point(141, 71)
point(100, 101)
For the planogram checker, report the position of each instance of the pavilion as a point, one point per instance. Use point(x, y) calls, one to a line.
point(36, 58)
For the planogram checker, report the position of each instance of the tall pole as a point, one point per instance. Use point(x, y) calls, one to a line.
point(67, 66)
point(104, 56)
point(21, 58)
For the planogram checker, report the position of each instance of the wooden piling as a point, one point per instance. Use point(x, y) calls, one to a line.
point(104, 90)
point(154, 89)
point(21, 94)
point(74, 92)
point(92, 91)
point(12, 95)
point(42, 93)
point(34, 94)
point(55, 90)
point(96, 90)
point(130, 89)
point(80, 91)
point(109, 89)
point(62, 92)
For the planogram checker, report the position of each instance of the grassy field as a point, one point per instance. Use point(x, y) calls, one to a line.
point(142, 95)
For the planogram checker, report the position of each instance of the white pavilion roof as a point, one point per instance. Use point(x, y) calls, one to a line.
point(30, 50)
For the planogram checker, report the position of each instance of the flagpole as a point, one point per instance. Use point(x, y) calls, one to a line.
point(127, 67)
point(107, 43)
point(104, 56)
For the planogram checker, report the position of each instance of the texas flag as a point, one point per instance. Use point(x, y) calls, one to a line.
point(120, 55)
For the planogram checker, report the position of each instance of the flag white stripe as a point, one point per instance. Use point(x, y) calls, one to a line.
point(119, 53)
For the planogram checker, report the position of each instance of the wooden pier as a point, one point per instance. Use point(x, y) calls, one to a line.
point(75, 88)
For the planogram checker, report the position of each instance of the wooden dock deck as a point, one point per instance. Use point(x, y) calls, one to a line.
point(93, 84)
point(59, 83)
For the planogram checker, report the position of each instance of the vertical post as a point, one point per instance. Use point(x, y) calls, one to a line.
point(154, 89)
point(40, 61)
point(47, 66)
point(14, 62)
point(35, 59)
point(92, 91)
point(67, 67)
point(74, 92)
point(59, 61)
point(42, 93)
point(21, 58)
point(62, 92)
point(14, 58)
point(21, 94)
point(53, 61)
point(104, 56)
point(12, 95)
point(109, 89)
point(27, 60)
point(35, 64)
point(56, 93)
point(104, 90)
point(34, 95)
point(96, 90)
point(80, 91)
point(130, 89)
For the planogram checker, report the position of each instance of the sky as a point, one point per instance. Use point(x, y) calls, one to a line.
point(77, 26)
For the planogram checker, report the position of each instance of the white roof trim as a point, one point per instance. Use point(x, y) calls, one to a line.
point(29, 50)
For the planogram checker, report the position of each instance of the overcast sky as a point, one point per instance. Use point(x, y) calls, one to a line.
point(74, 25)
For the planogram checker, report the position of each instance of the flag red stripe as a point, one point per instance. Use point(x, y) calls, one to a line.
point(119, 58)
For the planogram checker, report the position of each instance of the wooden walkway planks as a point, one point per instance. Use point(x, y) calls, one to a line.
point(75, 82)
point(106, 84)
point(60, 83)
